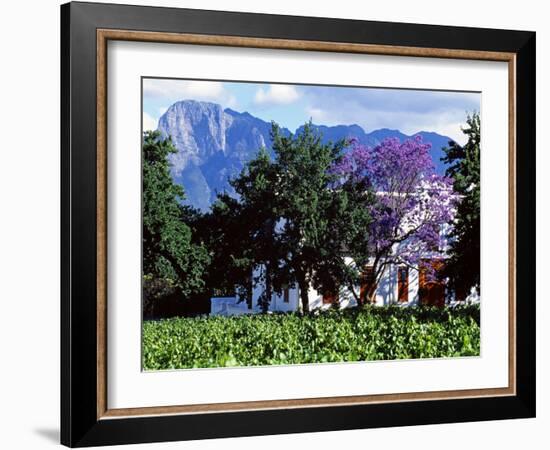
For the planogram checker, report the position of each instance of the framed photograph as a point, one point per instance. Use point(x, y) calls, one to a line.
point(277, 224)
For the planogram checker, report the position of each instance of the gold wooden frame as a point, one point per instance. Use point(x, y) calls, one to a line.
point(103, 36)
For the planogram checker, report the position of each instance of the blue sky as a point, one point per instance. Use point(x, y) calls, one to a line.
point(409, 111)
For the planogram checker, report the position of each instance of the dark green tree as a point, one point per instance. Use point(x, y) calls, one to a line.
point(344, 250)
point(291, 219)
point(324, 222)
point(222, 234)
point(240, 232)
point(256, 188)
point(463, 267)
point(169, 253)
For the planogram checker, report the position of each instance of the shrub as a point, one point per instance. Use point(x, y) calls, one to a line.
point(369, 333)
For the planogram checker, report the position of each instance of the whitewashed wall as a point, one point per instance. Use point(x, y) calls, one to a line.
point(386, 294)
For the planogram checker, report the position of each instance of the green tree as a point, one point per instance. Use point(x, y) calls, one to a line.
point(169, 253)
point(226, 237)
point(298, 225)
point(290, 220)
point(258, 217)
point(323, 222)
point(344, 250)
point(240, 232)
point(463, 267)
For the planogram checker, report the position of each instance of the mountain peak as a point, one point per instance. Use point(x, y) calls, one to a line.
point(237, 113)
point(214, 144)
point(195, 104)
point(387, 130)
point(432, 135)
point(197, 129)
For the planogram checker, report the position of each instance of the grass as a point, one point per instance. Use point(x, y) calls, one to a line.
point(367, 334)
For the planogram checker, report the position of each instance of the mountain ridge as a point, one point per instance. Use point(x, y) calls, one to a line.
point(214, 144)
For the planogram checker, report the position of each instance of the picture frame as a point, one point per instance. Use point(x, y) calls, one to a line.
point(86, 29)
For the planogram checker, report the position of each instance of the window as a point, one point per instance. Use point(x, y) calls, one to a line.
point(286, 294)
point(403, 284)
point(330, 297)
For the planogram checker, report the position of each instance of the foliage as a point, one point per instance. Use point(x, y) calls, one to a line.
point(309, 210)
point(293, 223)
point(464, 167)
point(412, 203)
point(168, 251)
point(364, 334)
point(257, 218)
point(224, 234)
point(154, 291)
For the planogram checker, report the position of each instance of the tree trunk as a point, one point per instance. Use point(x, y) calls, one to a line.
point(372, 295)
point(357, 298)
point(268, 292)
point(303, 286)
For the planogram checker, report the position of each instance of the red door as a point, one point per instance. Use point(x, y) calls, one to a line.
point(431, 289)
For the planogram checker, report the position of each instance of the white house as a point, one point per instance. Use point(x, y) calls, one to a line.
point(399, 284)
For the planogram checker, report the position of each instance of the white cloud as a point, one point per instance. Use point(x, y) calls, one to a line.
point(406, 110)
point(172, 91)
point(453, 130)
point(448, 123)
point(317, 115)
point(149, 122)
point(276, 94)
point(231, 101)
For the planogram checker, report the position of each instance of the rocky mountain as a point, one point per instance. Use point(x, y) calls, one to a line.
point(214, 144)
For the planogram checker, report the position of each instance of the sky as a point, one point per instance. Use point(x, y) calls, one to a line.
point(409, 111)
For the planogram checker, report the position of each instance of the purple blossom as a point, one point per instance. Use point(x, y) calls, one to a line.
point(413, 205)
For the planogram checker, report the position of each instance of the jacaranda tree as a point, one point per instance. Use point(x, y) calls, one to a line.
point(412, 203)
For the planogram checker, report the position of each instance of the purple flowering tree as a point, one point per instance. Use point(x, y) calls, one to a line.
point(411, 207)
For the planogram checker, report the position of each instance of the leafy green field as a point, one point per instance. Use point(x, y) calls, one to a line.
point(371, 333)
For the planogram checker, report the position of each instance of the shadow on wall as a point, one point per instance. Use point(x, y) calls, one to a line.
point(49, 434)
point(386, 289)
